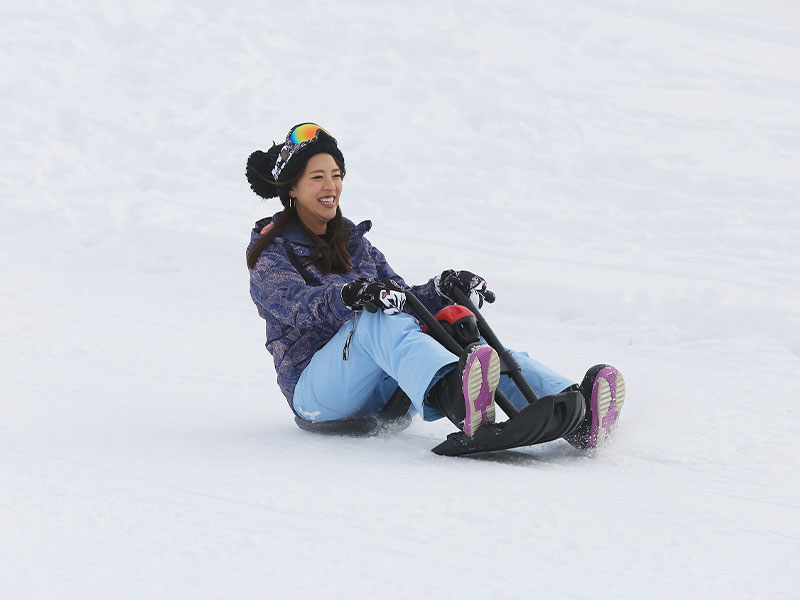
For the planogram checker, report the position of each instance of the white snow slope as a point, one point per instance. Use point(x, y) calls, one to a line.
point(625, 174)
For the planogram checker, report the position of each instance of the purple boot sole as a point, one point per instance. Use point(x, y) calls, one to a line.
point(480, 377)
point(608, 396)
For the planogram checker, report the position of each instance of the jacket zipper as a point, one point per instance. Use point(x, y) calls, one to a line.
point(346, 349)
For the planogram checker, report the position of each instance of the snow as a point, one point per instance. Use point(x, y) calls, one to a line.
point(625, 175)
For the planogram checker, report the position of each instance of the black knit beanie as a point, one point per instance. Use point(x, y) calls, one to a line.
point(260, 165)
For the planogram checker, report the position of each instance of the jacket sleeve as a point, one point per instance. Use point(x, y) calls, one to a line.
point(281, 294)
point(426, 293)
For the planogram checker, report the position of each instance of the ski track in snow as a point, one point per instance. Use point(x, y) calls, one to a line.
point(625, 176)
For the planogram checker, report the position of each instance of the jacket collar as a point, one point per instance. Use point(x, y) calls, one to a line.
point(295, 235)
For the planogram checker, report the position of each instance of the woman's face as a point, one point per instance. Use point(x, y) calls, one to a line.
point(317, 192)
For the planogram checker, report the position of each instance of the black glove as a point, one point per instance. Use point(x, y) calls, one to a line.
point(472, 285)
point(373, 294)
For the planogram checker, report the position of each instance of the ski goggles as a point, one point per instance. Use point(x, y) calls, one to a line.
point(299, 137)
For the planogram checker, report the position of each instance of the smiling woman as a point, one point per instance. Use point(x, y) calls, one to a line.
point(312, 274)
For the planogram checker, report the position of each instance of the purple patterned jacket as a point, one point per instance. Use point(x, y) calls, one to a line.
point(302, 307)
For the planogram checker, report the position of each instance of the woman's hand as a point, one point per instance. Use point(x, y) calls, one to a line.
point(372, 294)
point(472, 285)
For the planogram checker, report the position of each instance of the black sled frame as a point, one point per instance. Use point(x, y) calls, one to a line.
point(542, 420)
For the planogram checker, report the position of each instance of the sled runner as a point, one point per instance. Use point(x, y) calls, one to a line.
point(543, 420)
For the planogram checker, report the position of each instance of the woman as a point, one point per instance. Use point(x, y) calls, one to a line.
point(312, 272)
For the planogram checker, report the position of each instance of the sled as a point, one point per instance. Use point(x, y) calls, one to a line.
point(394, 417)
point(543, 420)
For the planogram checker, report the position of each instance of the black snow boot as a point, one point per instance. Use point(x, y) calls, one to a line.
point(603, 390)
point(466, 394)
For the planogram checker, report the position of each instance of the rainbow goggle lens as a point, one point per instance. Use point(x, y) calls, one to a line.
point(299, 137)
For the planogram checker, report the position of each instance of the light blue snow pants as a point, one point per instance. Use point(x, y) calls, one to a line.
point(385, 351)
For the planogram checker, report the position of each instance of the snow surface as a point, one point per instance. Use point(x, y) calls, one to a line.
point(625, 174)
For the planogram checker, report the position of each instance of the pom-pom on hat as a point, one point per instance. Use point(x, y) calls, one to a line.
point(266, 171)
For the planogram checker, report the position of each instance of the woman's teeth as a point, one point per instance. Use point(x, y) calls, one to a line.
point(329, 200)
